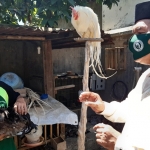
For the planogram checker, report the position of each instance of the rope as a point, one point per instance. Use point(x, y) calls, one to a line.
point(35, 98)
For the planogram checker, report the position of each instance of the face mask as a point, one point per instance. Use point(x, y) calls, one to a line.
point(138, 45)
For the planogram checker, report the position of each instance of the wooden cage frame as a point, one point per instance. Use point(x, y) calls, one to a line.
point(115, 58)
point(60, 132)
point(48, 86)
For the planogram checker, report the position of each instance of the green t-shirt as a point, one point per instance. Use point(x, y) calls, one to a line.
point(7, 144)
point(7, 98)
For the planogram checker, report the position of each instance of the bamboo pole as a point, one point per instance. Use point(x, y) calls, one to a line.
point(83, 118)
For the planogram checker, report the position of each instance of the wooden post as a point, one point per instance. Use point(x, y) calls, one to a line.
point(83, 118)
point(118, 57)
point(45, 132)
point(48, 68)
point(62, 129)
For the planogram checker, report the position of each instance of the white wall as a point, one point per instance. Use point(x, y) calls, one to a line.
point(119, 16)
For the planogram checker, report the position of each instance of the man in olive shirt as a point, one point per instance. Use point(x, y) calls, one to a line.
point(10, 98)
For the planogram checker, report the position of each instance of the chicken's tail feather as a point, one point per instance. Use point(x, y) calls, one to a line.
point(95, 60)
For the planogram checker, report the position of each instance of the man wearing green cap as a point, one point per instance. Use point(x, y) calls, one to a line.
point(134, 111)
point(10, 98)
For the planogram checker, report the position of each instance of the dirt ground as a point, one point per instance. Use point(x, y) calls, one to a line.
point(90, 143)
point(71, 144)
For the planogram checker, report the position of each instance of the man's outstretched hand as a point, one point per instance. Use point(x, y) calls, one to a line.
point(106, 136)
point(92, 100)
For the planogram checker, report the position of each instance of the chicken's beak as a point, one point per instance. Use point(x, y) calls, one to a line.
point(74, 13)
point(73, 10)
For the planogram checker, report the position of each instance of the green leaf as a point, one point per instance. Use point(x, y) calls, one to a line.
point(51, 23)
point(71, 2)
point(53, 2)
point(44, 22)
point(43, 12)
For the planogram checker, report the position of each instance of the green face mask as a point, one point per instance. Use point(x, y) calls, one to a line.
point(138, 45)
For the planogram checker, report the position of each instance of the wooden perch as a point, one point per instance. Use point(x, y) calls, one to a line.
point(64, 87)
point(89, 39)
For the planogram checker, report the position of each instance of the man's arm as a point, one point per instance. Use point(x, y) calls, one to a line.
point(113, 111)
point(15, 99)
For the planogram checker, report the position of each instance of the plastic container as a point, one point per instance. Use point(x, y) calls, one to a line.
point(44, 97)
point(34, 135)
point(12, 80)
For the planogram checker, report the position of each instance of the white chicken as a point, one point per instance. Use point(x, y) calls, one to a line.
point(86, 23)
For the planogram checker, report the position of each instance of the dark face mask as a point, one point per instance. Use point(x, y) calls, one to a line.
point(139, 45)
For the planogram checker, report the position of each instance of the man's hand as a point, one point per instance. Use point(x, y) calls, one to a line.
point(93, 100)
point(106, 136)
point(20, 106)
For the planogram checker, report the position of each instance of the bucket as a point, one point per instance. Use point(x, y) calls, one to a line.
point(12, 80)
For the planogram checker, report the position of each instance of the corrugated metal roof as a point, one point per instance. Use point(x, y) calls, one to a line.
point(61, 38)
point(120, 31)
point(29, 31)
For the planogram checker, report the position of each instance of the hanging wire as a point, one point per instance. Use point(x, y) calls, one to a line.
point(116, 93)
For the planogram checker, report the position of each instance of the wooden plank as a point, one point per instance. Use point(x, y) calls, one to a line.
point(62, 130)
point(45, 132)
point(121, 60)
point(118, 57)
point(51, 131)
point(27, 148)
point(58, 130)
point(125, 59)
point(64, 87)
point(89, 39)
point(111, 59)
point(106, 59)
point(115, 61)
point(48, 68)
point(8, 37)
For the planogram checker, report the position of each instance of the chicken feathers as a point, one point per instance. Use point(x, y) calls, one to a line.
point(86, 23)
